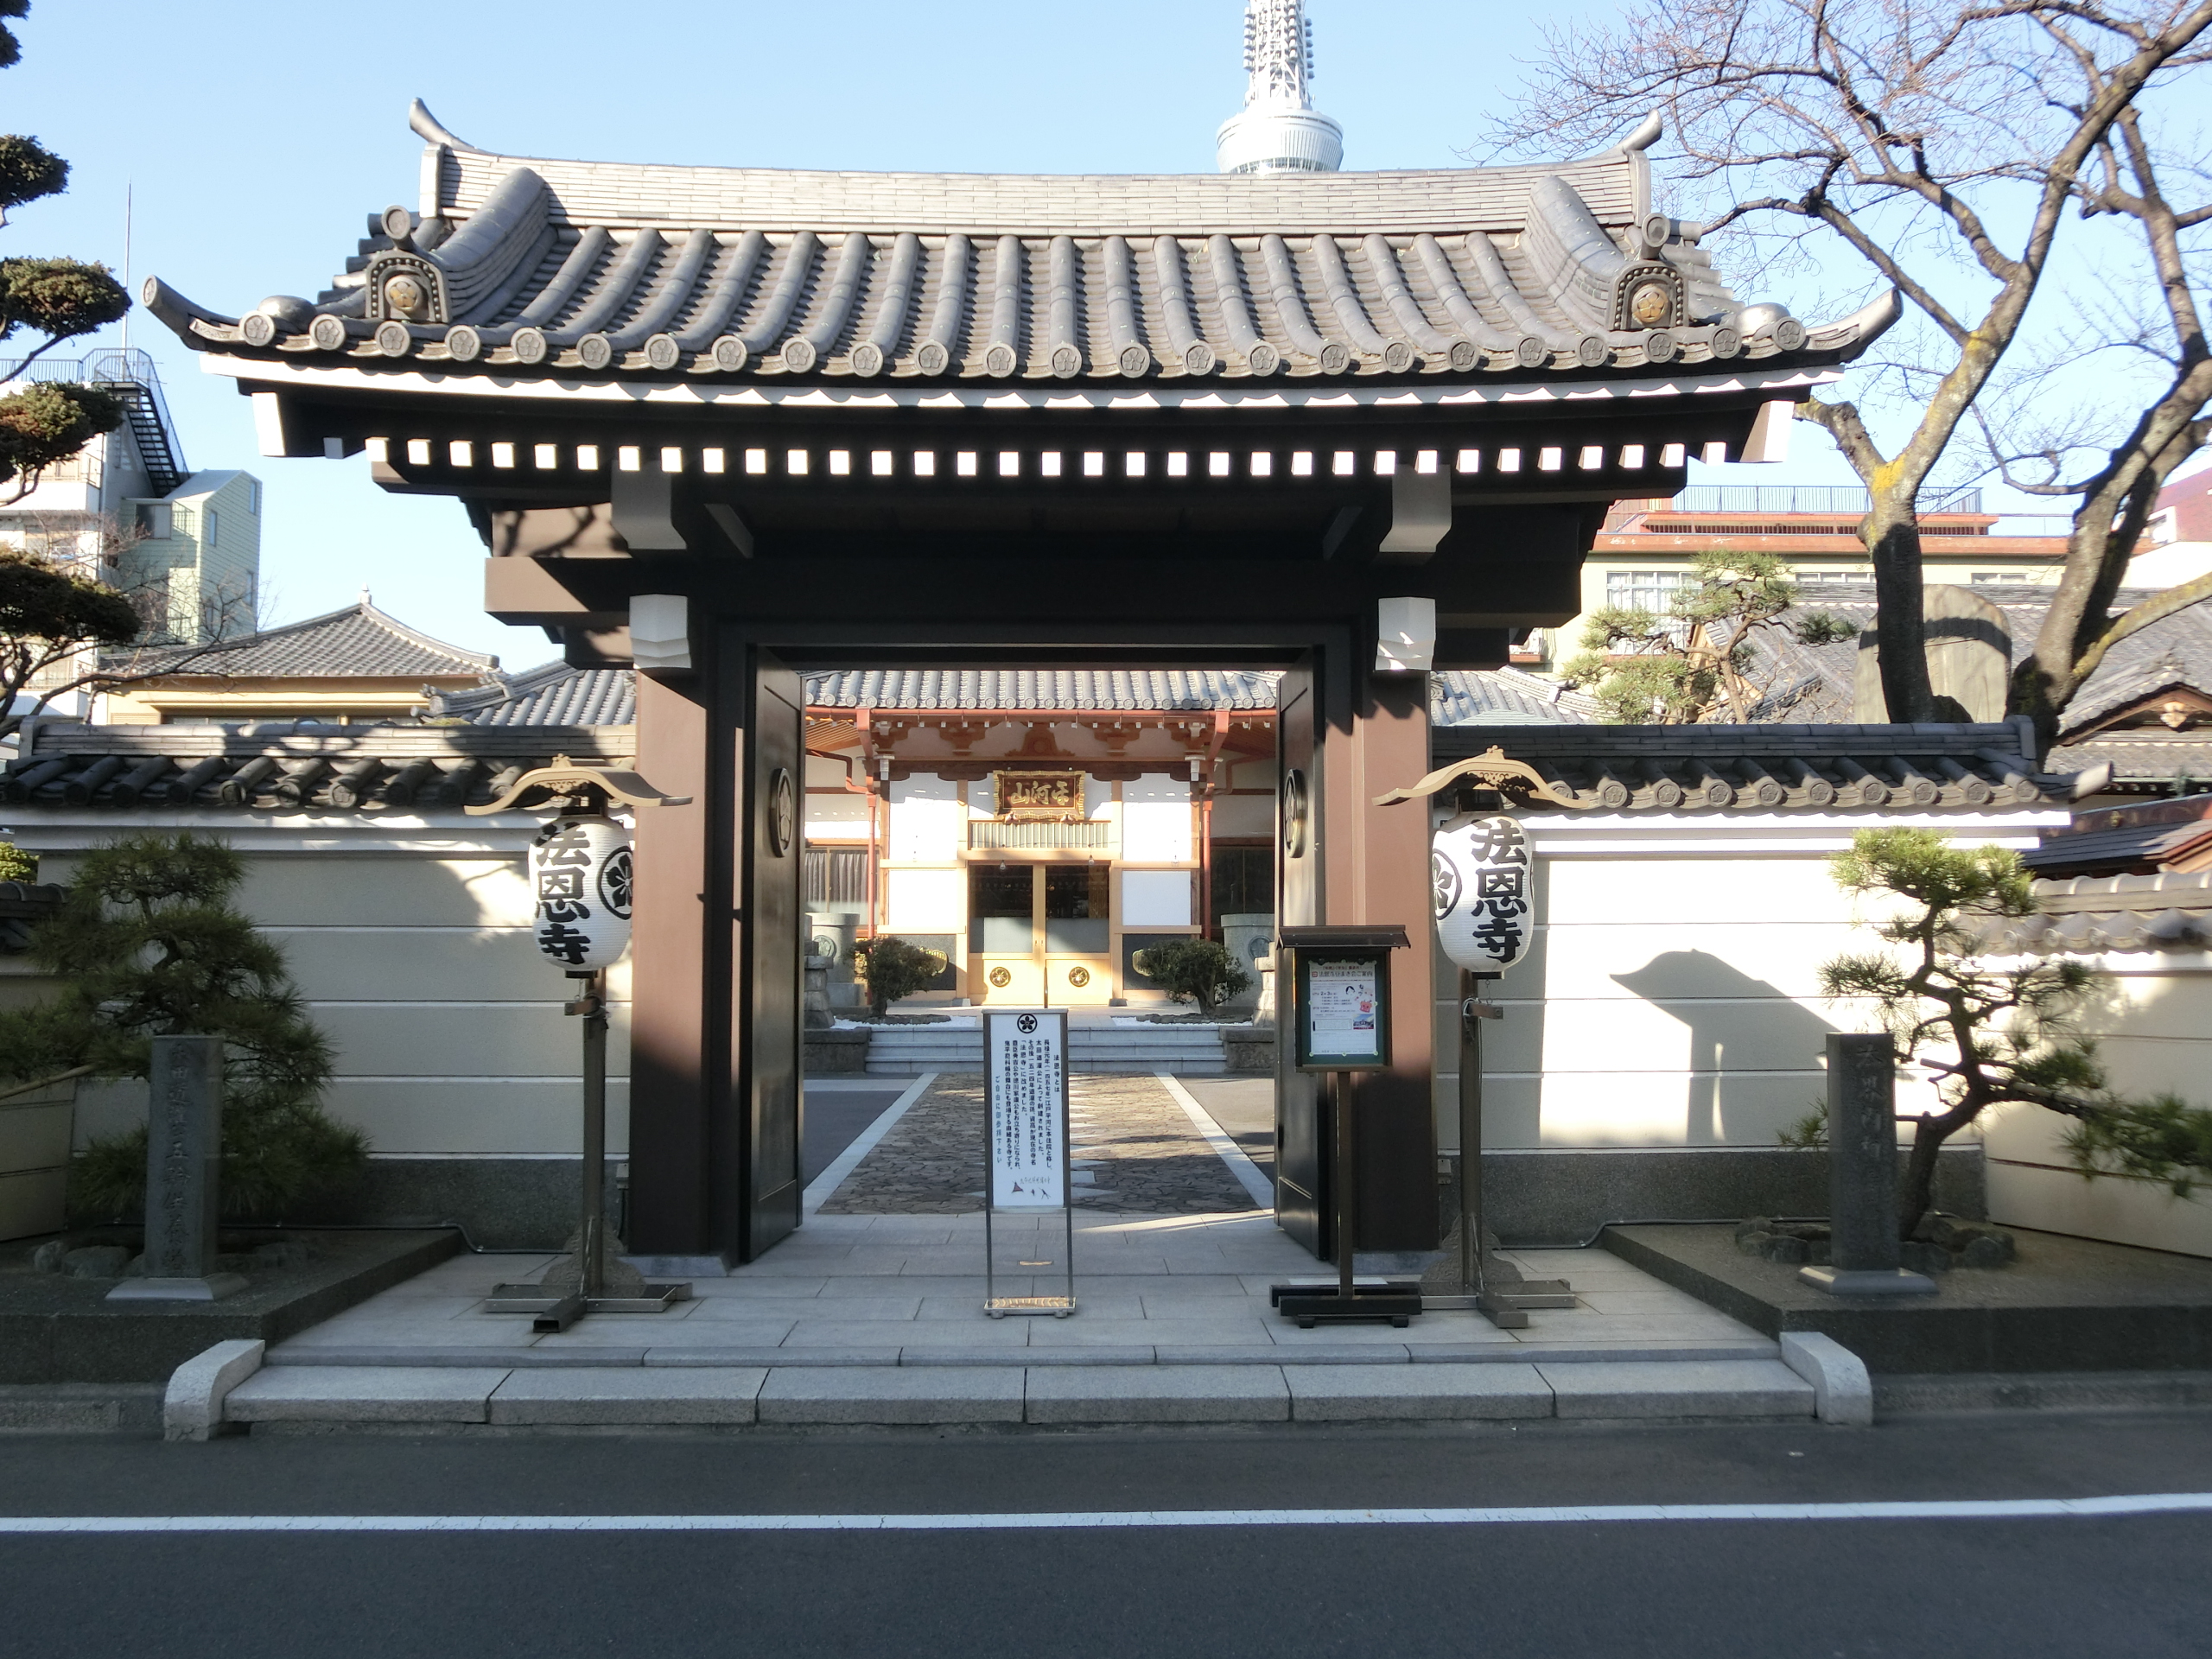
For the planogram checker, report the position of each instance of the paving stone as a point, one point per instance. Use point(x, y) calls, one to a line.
point(976, 1393)
point(1694, 1387)
point(1136, 1148)
point(292, 1353)
point(722, 1394)
point(769, 1356)
point(384, 1393)
point(1158, 1394)
point(1373, 1393)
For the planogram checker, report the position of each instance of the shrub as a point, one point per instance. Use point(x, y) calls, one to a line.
point(1193, 970)
point(148, 944)
point(894, 968)
point(17, 865)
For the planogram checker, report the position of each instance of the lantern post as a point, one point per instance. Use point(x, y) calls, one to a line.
point(1485, 908)
point(581, 884)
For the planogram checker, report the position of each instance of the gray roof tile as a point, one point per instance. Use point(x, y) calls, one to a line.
point(359, 641)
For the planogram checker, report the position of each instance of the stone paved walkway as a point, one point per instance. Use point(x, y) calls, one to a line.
point(1134, 1152)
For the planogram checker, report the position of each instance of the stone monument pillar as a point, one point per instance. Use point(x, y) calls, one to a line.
point(184, 1161)
point(1865, 1252)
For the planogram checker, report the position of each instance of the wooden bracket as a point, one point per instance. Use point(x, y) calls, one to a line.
point(1496, 770)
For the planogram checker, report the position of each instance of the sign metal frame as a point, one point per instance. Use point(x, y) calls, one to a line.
point(1026, 1022)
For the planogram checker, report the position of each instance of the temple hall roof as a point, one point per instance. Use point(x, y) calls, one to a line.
point(359, 641)
point(527, 269)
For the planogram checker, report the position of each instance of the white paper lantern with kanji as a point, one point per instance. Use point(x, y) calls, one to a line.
point(1485, 893)
point(580, 880)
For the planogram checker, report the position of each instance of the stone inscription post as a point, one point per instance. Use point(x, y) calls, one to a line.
point(1864, 1253)
point(184, 1160)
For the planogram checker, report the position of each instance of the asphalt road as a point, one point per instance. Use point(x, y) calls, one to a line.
point(2020, 1588)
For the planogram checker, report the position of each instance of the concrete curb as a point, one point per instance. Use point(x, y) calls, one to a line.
point(193, 1407)
point(1843, 1394)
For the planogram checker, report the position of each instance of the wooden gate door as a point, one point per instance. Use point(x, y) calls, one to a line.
point(769, 1052)
point(1301, 1131)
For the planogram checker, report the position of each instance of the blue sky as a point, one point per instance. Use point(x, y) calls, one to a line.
point(256, 138)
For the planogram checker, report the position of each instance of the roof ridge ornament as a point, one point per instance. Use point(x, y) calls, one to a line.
point(433, 131)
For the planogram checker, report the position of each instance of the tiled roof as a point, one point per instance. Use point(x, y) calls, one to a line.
point(359, 641)
point(533, 267)
point(289, 768)
point(24, 906)
point(1163, 689)
point(2165, 912)
point(2144, 847)
point(1505, 696)
point(1768, 768)
point(552, 694)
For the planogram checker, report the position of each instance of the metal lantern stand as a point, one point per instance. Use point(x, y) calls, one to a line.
point(582, 790)
point(1488, 1287)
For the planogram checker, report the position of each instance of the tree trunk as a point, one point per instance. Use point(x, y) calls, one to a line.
point(1918, 1196)
point(1892, 537)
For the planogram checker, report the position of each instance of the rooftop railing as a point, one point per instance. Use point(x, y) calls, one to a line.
point(1805, 498)
point(131, 372)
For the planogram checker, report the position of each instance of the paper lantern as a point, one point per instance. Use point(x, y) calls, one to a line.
point(580, 876)
point(1486, 899)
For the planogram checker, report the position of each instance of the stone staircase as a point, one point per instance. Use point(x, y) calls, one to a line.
point(1181, 1050)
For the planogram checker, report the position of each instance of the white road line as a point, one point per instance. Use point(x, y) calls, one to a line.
point(2026, 1509)
point(1248, 1174)
point(819, 1189)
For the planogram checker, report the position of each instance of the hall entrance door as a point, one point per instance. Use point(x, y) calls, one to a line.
point(1041, 934)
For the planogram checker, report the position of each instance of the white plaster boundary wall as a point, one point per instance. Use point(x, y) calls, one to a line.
point(2152, 1025)
point(1671, 997)
point(408, 936)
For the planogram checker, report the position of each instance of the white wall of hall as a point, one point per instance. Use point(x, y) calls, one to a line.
point(412, 948)
point(1671, 996)
point(2152, 1021)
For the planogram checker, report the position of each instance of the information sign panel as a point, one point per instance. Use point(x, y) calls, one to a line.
point(1342, 1004)
point(1025, 1057)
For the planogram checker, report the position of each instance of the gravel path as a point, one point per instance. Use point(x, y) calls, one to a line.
point(1134, 1152)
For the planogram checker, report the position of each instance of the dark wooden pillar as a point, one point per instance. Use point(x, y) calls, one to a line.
point(1377, 871)
point(678, 934)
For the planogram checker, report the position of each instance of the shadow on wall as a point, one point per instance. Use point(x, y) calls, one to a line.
point(1711, 997)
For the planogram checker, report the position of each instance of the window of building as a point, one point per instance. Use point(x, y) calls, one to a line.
point(1983, 576)
point(1642, 590)
point(214, 528)
point(253, 495)
point(1243, 880)
point(155, 520)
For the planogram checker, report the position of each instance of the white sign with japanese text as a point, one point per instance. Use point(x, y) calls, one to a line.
point(1341, 1010)
point(1025, 1058)
point(1485, 893)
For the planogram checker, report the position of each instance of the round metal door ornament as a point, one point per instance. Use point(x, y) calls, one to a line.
point(1295, 808)
point(580, 876)
point(783, 812)
point(1485, 893)
point(1000, 978)
point(1079, 977)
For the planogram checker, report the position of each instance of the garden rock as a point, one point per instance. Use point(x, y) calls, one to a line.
point(47, 1257)
point(96, 1261)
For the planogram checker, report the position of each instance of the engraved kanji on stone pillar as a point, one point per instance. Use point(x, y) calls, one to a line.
point(184, 1160)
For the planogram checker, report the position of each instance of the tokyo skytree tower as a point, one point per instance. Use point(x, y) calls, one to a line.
point(1278, 130)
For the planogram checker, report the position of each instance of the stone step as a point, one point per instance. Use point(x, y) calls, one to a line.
point(281, 1394)
point(895, 1049)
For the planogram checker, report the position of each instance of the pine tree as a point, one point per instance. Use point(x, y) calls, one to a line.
point(149, 944)
point(46, 422)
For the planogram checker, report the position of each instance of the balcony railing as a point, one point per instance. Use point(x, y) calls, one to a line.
point(997, 834)
point(1805, 498)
